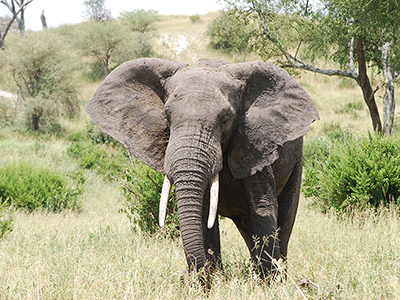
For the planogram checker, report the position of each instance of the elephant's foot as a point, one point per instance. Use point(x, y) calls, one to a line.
point(273, 272)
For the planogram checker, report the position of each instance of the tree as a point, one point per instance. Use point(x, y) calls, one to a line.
point(43, 20)
point(42, 68)
point(140, 20)
point(96, 10)
point(17, 9)
point(355, 34)
point(112, 43)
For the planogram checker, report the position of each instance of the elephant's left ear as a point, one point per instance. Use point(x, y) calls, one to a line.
point(275, 109)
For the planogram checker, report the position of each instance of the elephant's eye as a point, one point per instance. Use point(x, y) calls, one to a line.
point(167, 114)
point(225, 119)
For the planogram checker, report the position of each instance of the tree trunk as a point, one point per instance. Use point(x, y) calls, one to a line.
point(389, 75)
point(21, 22)
point(43, 20)
point(35, 122)
point(365, 84)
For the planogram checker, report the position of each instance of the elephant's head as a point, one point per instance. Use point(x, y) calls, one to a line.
point(185, 122)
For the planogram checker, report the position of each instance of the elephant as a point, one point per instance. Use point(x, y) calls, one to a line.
point(228, 136)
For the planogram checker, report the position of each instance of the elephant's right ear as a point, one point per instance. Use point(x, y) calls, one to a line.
point(129, 106)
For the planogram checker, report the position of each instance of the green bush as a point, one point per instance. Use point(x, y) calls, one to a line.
point(23, 185)
point(104, 158)
point(97, 136)
point(353, 173)
point(194, 18)
point(96, 72)
point(142, 191)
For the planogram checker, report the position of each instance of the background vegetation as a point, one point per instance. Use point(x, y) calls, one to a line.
point(94, 236)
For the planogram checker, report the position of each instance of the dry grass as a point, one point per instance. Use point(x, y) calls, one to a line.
point(331, 94)
point(95, 255)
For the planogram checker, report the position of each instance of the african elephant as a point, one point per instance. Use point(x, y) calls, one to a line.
point(228, 136)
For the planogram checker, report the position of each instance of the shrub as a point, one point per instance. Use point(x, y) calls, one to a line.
point(97, 136)
point(96, 72)
point(194, 18)
point(104, 158)
point(354, 173)
point(30, 187)
point(142, 191)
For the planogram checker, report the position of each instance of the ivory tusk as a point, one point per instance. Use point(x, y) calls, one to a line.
point(214, 190)
point(164, 200)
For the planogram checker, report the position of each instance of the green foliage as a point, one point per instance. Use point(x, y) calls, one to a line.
point(142, 192)
point(104, 158)
point(321, 29)
point(42, 68)
point(24, 185)
point(97, 136)
point(140, 20)
point(98, 151)
point(353, 173)
point(97, 72)
point(194, 18)
point(230, 33)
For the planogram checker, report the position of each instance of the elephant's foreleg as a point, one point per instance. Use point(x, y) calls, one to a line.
point(212, 245)
point(262, 221)
point(288, 201)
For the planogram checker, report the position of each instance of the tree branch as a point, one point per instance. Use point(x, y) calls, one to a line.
point(14, 14)
point(294, 61)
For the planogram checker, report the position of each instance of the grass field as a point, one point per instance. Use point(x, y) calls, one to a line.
point(95, 254)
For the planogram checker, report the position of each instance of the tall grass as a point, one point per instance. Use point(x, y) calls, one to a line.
point(95, 255)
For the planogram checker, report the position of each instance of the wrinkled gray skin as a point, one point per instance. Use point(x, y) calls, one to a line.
point(245, 121)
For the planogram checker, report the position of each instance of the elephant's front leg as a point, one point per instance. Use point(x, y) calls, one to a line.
point(260, 229)
point(212, 244)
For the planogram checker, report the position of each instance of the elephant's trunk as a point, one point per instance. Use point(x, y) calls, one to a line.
point(191, 165)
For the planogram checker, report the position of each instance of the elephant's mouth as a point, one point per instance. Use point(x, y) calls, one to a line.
point(214, 191)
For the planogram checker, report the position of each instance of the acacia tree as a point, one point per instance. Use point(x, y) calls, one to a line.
point(17, 9)
point(356, 34)
point(96, 10)
point(42, 68)
point(112, 43)
point(140, 20)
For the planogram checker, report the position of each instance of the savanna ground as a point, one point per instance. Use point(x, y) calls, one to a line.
point(94, 254)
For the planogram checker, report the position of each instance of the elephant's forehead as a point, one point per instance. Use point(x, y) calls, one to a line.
point(200, 77)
